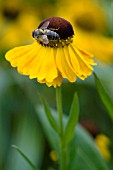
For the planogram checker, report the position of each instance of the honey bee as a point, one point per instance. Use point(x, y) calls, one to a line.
point(45, 35)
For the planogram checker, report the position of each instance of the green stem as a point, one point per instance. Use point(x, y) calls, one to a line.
point(60, 114)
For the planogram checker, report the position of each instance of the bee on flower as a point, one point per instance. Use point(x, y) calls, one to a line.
point(45, 35)
point(53, 55)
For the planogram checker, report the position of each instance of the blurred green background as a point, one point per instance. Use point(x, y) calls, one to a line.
point(19, 96)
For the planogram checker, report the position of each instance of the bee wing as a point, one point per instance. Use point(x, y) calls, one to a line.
point(45, 25)
point(44, 39)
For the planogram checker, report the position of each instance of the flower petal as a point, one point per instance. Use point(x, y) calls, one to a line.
point(56, 82)
point(72, 60)
point(64, 66)
point(16, 53)
point(22, 56)
point(48, 69)
point(34, 60)
point(85, 68)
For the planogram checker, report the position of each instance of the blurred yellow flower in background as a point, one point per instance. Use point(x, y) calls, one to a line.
point(103, 143)
point(91, 27)
point(53, 55)
point(53, 155)
point(16, 24)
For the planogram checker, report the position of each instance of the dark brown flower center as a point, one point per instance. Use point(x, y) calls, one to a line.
point(60, 26)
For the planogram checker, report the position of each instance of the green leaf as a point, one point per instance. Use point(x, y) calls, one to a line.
point(49, 115)
point(72, 121)
point(25, 157)
point(82, 152)
point(104, 96)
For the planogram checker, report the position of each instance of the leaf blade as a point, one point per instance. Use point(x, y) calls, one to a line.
point(104, 96)
point(72, 121)
point(49, 115)
point(25, 157)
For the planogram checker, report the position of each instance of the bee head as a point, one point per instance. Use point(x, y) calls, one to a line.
point(36, 33)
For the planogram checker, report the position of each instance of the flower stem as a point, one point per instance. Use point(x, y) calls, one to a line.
point(60, 114)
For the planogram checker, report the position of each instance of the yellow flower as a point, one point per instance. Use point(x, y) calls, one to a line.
point(17, 24)
point(103, 143)
point(92, 27)
point(53, 55)
point(53, 155)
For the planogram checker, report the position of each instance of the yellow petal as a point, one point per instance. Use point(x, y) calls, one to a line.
point(48, 68)
point(63, 65)
point(56, 82)
point(16, 53)
point(36, 65)
point(21, 57)
point(85, 56)
point(85, 68)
